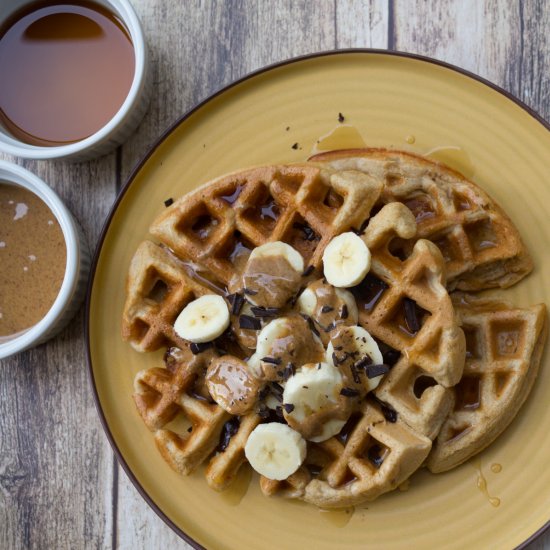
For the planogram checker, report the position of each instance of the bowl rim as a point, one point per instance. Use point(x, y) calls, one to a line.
point(13, 146)
point(14, 174)
point(163, 136)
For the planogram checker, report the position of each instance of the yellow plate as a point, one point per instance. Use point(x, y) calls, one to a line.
point(389, 100)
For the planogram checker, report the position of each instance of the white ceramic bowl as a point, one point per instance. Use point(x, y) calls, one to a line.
point(77, 267)
point(119, 128)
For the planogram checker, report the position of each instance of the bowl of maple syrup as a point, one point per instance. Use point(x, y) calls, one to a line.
point(74, 77)
point(44, 261)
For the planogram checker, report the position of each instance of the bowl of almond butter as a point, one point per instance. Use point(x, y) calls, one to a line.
point(44, 261)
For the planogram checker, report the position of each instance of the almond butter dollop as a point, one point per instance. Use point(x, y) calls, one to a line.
point(231, 384)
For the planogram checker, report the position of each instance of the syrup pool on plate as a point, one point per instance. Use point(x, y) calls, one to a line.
point(32, 260)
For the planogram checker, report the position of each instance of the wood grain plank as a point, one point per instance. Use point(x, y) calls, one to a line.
point(56, 465)
point(361, 24)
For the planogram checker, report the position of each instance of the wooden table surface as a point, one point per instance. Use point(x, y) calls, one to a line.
point(60, 484)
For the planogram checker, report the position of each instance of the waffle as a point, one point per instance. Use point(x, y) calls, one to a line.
point(218, 225)
point(371, 456)
point(158, 287)
point(186, 424)
point(504, 350)
point(431, 354)
point(480, 244)
point(204, 241)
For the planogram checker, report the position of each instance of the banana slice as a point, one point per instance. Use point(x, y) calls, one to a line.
point(328, 305)
point(275, 450)
point(203, 319)
point(312, 401)
point(346, 260)
point(351, 346)
point(273, 274)
point(287, 340)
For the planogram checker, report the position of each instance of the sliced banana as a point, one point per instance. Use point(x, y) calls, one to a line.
point(275, 450)
point(279, 248)
point(203, 319)
point(310, 304)
point(272, 274)
point(286, 340)
point(316, 409)
point(351, 346)
point(346, 260)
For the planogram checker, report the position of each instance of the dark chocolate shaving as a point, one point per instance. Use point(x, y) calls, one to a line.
point(411, 316)
point(230, 428)
point(168, 202)
point(190, 429)
point(295, 146)
point(236, 302)
point(289, 371)
point(277, 388)
point(264, 412)
point(308, 271)
point(349, 392)
point(341, 117)
point(250, 292)
point(249, 322)
point(265, 312)
point(309, 234)
point(376, 370)
point(264, 392)
point(364, 362)
point(344, 313)
point(311, 324)
point(355, 374)
point(289, 407)
point(326, 309)
point(375, 455)
point(389, 414)
point(199, 348)
point(272, 360)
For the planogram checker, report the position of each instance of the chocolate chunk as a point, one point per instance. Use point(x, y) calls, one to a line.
point(411, 316)
point(390, 355)
point(199, 348)
point(277, 388)
point(344, 313)
point(288, 407)
point(264, 412)
point(349, 392)
point(168, 202)
point(250, 292)
point(308, 271)
point(375, 455)
point(355, 374)
point(265, 312)
point(272, 360)
point(309, 234)
point(190, 429)
point(376, 370)
point(249, 322)
point(236, 301)
point(341, 118)
point(326, 309)
point(364, 362)
point(264, 392)
point(279, 412)
point(230, 428)
point(289, 371)
point(295, 146)
point(389, 414)
point(311, 324)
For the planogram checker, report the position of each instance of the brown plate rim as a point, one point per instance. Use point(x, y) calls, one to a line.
point(146, 157)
